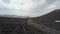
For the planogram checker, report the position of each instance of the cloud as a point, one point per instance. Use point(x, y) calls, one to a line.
point(31, 8)
point(6, 1)
point(17, 4)
point(47, 9)
point(22, 4)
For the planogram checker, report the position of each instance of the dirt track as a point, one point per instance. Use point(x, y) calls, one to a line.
point(43, 28)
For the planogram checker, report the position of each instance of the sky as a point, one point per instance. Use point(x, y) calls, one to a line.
point(32, 8)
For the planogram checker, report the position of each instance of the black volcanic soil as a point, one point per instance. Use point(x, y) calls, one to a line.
point(9, 25)
point(49, 19)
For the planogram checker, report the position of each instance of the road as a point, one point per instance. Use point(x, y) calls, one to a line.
point(42, 28)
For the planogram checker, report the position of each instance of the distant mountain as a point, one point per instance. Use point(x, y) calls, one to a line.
point(14, 16)
point(49, 19)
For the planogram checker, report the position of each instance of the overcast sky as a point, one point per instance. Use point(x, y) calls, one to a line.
point(32, 8)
